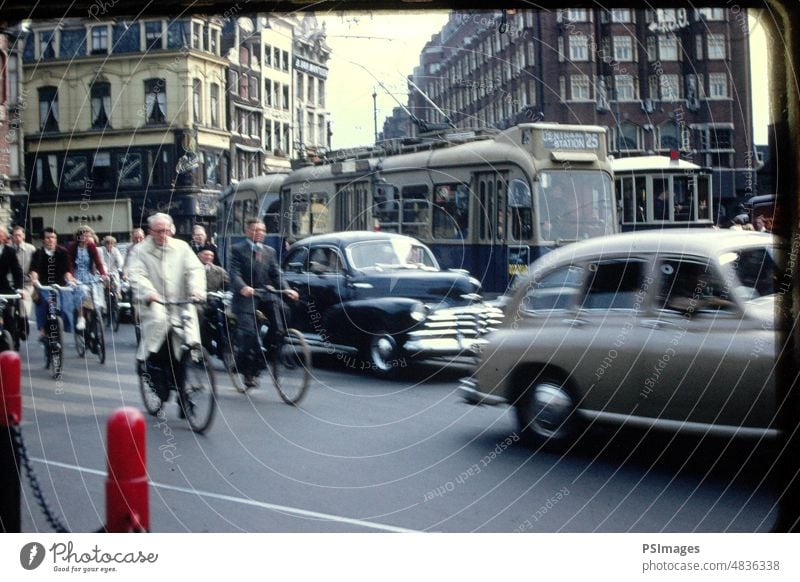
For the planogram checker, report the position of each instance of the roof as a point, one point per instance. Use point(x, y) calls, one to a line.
point(651, 163)
point(699, 241)
point(347, 237)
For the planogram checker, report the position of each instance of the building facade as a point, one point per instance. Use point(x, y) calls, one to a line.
point(124, 119)
point(659, 80)
point(311, 54)
point(13, 190)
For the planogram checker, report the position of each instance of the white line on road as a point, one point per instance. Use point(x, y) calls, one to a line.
point(243, 501)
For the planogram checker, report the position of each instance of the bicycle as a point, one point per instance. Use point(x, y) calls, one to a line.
point(113, 303)
point(54, 326)
point(190, 376)
point(9, 341)
point(290, 366)
point(218, 333)
point(92, 336)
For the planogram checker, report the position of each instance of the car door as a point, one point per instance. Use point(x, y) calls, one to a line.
point(296, 275)
point(700, 362)
point(326, 285)
point(605, 337)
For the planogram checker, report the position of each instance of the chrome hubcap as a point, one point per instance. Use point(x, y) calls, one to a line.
point(550, 409)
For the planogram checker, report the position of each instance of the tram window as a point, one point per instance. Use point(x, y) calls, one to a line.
point(238, 224)
point(386, 208)
point(703, 197)
point(272, 217)
point(683, 199)
point(661, 199)
point(500, 210)
point(319, 214)
point(450, 211)
point(416, 211)
point(300, 217)
point(248, 209)
point(519, 207)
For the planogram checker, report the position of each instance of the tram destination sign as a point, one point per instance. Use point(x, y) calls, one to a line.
point(558, 139)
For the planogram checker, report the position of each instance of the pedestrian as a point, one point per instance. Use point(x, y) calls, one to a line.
point(200, 242)
point(137, 236)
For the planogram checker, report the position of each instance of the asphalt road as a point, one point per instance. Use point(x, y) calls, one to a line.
point(368, 455)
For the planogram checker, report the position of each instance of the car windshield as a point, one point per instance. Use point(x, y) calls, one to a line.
point(757, 271)
point(391, 254)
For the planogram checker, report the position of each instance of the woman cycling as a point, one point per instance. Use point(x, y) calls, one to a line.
point(87, 264)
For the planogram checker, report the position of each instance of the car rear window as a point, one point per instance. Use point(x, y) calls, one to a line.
point(614, 284)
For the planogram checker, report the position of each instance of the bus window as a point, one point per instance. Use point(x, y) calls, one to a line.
point(450, 211)
point(416, 211)
point(238, 223)
point(272, 217)
point(500, 209)
point(519, 208)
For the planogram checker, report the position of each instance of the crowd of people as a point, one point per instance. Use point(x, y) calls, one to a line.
point(158, 267)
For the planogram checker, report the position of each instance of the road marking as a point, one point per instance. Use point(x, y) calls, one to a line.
point(243, 501)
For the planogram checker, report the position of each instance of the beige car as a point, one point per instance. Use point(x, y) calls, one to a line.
point(668, 329)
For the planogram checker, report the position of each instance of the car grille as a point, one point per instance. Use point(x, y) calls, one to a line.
point(456, 327)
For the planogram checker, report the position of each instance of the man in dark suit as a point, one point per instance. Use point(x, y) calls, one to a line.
point(253, 266)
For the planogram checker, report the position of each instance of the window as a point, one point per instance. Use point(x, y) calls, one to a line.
point(268, 92)
point(555, 290)
point(320, 92)
point(214, 105)
point(46, 173)
point(101, 105)
point(285, 60)
point(254, 86)
point(579, 86)
point(155, 101)
point(670, 87)
point(244, 56)
point(698, 47)
point(310, 96)
point(614, 285)
point(197, 36)
point(668, 47)
point(48, 109)
point(101, 170)
point(47, 44)
point(450, 211)
point(709, 14)
point(669, 137)
point(652, 53)
point(129, 168)
point(623, 48)
point(628, 137)
point(625, 87)
point(720, 138)
point(717, 85)
point(268, 136)
point(578, 47)
point(196, 100)
point(299, 85)
point(286, 97)
point(716, 46)
point(244, 86)
point(620, 15)
point(160, 171)
point(687, 286)
point(13, 80)
point(152, 35)
point(415, 213)
point(577, 15)
point(267, 55)
point(99, 40)
point(276, 57)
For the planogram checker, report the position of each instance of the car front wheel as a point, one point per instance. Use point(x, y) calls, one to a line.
point(546, 412)
point(381, 353)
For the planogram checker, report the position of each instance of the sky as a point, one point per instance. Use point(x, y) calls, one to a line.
point(373, 48)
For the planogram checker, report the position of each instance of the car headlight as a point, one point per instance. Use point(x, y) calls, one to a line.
point(418, 312)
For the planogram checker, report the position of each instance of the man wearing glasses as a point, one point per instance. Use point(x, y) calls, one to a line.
point(252, 267)
point(164, 268)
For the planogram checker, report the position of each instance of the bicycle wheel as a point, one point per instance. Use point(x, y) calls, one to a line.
point(152, 401)
point(198, 397)
point(291, 368)
point(99, 339)
point(55, 349)
point(229, 361)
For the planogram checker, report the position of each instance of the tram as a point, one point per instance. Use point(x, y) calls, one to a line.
point(489, 202)
point(259, 196)
point(662, 192)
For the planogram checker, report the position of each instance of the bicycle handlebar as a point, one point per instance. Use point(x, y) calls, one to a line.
point(55, 287)
point(12, 296)
point(176, 301)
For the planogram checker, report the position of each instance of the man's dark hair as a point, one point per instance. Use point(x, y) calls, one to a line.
point(251, 221)
point(49, 230)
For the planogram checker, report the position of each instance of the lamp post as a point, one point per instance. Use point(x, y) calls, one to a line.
point(375, 113)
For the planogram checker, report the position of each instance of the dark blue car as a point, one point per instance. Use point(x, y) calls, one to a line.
point(380, 299)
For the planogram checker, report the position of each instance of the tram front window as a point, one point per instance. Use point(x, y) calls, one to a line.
point(574, 205)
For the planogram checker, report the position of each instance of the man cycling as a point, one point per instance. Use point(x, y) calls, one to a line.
point(164, 268)
point(252, 266)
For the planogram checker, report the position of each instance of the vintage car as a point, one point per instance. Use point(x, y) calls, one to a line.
point(670, 330)
point(382, 298)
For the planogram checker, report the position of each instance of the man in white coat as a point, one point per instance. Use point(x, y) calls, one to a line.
point(164, 268)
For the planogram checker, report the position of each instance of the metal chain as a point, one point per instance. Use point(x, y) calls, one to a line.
point(52, 519)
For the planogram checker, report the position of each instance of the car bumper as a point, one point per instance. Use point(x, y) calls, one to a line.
point(444, 346)
point(468, 390)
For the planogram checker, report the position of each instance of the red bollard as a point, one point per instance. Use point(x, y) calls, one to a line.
point(10, 417)
point(127, 507)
